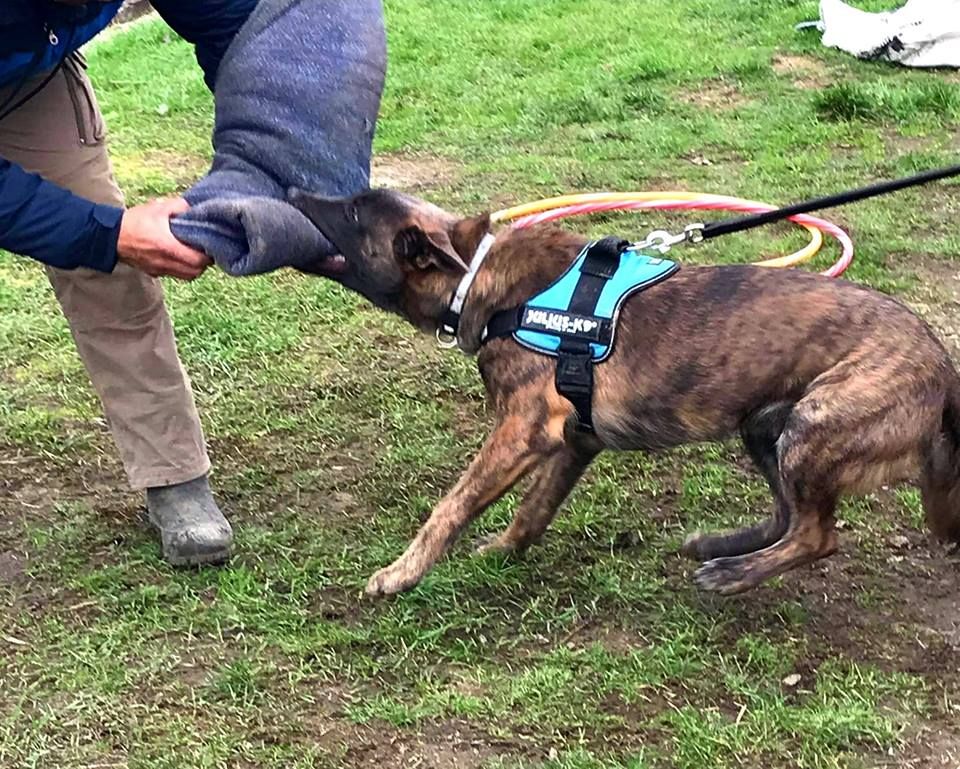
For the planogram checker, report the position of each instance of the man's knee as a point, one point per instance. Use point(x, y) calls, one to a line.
point(125, 298)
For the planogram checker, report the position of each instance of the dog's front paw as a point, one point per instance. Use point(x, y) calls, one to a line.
point(691, 546)
point(392, 579)
point(494, 543)
point(726, 576)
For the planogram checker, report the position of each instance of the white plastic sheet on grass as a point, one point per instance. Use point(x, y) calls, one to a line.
point(923, 33)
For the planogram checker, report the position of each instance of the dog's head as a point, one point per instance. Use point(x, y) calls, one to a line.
point(404, 254)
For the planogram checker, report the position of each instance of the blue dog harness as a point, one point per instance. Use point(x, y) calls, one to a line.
point(575, 319)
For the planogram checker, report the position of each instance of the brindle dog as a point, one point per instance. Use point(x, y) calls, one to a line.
point(834, 388)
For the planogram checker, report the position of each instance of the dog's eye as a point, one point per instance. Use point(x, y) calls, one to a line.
point(353, 214)
point(407, 244)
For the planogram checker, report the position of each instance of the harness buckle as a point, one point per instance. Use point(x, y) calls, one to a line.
point(575, 374)
point(574, 381)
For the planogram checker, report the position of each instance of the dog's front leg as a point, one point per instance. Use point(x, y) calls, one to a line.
point(551, 484)
point(514, 447)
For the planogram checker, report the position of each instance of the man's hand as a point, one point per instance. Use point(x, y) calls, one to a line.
point(146, 241)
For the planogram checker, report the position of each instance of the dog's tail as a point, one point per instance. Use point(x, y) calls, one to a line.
point(940, 481)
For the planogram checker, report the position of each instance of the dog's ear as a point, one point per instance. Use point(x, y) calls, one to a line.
point(439, 248)
point(467, 234)
point(427, 248)
point(332, 216)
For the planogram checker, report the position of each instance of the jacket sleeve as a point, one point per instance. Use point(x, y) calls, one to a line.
point(209, 24)
point(46, 222)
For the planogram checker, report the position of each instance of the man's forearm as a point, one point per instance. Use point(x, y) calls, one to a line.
point(40, 220)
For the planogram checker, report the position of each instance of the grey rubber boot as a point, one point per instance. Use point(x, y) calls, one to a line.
point(193, 531)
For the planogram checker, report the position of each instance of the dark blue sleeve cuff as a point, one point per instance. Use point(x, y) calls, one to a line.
point(102, 255)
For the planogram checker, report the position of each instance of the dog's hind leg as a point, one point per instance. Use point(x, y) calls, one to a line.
point(860, 425)
point(940, 472)
point(760, 432)
point(818, 437)
point(515, 447)
point(552, 482)
point(810, 535)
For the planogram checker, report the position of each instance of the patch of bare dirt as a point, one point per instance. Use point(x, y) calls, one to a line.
point(412, 172)
point(614, 639)
point(716, 94)
point(937, 297)
point(898, 144)
point(714, 156)
point(937, 747)
point(185, 169)
point(806, 71)
point(437, 745)
point(450, 745)
point(35, 485)
point(13, 567)
point(897, 607)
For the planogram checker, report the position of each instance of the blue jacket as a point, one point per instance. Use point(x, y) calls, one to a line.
point(38, 218)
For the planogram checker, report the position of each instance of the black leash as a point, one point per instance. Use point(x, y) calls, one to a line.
point(727, 226)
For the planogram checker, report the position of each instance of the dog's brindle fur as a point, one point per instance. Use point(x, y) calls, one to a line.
point(834, 388)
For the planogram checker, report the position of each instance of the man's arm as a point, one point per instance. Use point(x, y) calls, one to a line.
point(52, 225)
point(46, 222)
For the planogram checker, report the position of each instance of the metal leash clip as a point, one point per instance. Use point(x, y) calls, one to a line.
point(662, 241)
point(446, 340)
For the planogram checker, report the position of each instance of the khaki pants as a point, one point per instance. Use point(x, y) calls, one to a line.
point(119, 321)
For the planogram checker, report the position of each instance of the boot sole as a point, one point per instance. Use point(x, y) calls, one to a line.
point(200, 559)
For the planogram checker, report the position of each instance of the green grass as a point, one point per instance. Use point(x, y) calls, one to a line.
point(335, 428)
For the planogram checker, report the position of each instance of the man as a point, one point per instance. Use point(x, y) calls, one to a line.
point(60, 205)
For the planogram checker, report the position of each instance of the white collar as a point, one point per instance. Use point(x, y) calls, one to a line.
point(450, 324)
